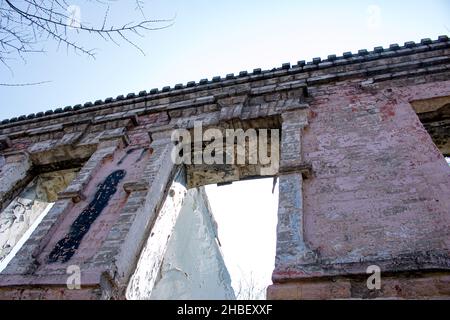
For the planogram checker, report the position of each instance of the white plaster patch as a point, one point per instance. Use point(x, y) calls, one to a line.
point(145, 275)
point(182, 259)
point(193, 266)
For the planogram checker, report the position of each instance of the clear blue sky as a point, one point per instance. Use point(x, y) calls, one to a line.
point(212, 38)
point(246, 213)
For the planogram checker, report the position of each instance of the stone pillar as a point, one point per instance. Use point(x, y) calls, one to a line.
point(292, 248)
point(148, 268)
point(123, 245)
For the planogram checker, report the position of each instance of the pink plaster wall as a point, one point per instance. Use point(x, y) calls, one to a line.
point(98, 231)
point(381, 187)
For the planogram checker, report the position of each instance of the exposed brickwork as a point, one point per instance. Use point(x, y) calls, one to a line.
point(412, 286)
point(361, 181)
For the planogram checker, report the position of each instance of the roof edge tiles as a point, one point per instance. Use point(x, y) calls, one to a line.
point(301, 66)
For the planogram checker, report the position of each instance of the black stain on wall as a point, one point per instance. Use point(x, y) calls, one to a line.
point(67, 246)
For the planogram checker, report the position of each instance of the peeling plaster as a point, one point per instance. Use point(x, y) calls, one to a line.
point(182, 258)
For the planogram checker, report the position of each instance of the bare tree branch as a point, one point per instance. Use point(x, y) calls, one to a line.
point(25, 25)
point(249, 288)
point(23, 84)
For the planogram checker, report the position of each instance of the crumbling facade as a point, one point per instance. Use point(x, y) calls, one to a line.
point(362, 177)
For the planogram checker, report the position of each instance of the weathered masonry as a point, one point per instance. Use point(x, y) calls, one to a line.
point(362, 180)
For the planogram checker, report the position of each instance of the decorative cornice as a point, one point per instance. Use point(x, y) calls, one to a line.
point(347, 58)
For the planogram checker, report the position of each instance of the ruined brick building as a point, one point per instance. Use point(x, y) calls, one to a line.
point(362, 181)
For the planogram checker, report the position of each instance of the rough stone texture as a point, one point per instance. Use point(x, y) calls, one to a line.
point(28, 207)
point(291, 244)
point(14, 172)
point(361, 180)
